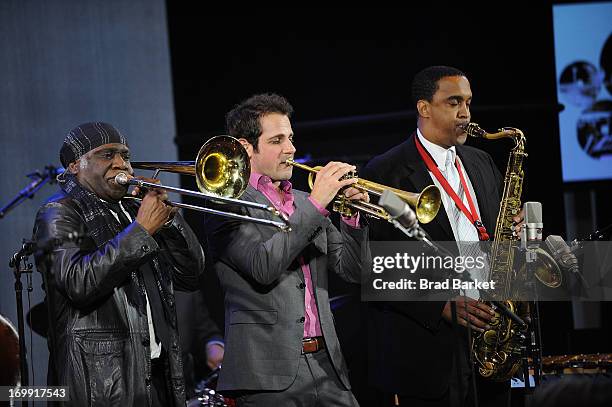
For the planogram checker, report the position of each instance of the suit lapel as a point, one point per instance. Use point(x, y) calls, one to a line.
point(319, 243)
point(251, 194)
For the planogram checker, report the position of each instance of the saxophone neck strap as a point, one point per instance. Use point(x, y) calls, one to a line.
point(471, 213)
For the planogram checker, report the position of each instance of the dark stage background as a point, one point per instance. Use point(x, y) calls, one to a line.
point(347, 73)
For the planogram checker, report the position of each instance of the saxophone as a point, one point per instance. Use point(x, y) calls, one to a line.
point(499, 350)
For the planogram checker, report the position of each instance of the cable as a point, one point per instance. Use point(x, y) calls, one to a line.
point(29, 281)
point(471, 356)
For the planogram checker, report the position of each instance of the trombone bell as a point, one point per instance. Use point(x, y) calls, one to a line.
point(222, 169)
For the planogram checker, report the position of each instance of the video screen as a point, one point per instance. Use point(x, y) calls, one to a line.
point(583, 56)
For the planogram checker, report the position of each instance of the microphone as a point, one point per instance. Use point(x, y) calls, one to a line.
point(53, 171)
point(122, 179)
point(50, 174)
point(562, 253)
point(564, 256)
point(398, 209)
point(402, 215)
point(37, 180)
point(30, 247)
point(531, 234)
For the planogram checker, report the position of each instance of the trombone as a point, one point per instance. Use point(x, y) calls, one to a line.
point(222, 170)
point(426, 203)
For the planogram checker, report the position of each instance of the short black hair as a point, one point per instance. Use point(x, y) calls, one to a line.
point(425, 83)
point(243, 120)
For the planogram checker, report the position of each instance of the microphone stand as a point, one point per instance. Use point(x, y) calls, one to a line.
point(534, 349)
point(38, 180)
point(416, 232)
point(19, 262)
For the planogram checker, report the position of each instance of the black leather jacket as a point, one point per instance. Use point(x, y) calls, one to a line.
point(99, 341)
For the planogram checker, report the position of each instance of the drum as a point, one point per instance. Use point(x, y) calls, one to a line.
point(577, 364)
point(9, 353)
point(209, 398)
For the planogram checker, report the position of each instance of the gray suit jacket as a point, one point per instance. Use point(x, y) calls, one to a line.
point(264, 292)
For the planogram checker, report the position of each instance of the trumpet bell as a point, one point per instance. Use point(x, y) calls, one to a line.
point(428, 204)
point(222, 167)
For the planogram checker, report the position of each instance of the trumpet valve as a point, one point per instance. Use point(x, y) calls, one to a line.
point(340, 206)
point(349, 175)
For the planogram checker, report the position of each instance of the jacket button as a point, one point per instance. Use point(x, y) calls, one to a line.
point(302, 286)
point(302, 319)
point(145, 248)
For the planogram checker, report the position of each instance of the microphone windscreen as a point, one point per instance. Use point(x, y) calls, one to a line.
point(392, 203)
point(533, 212)
point(556, 245)
point(562, 253)
point(121, 179)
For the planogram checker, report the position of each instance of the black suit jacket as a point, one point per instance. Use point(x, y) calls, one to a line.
point(410, 345)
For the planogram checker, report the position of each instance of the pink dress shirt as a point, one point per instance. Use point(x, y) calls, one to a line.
point(283, 201)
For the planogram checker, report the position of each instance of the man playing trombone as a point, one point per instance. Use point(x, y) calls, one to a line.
point(281, 344)
point(113, 334)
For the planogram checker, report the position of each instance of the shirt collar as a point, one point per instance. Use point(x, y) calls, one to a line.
point(260, 181)
point(112, 205)
point(437, 152)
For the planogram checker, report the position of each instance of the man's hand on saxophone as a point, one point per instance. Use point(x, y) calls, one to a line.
point(519, 222)
point(478, 313)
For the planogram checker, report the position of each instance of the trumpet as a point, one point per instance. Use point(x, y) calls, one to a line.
point(222, 170)
point(426, 203)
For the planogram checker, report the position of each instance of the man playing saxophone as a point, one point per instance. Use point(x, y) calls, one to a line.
point(417, 359)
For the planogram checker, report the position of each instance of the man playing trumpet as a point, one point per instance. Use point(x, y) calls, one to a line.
point(281, 344)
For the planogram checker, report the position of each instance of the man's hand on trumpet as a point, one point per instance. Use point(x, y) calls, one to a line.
point(355, 194)
point(329, 181)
